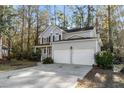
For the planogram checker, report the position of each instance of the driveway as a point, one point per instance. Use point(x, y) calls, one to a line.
point(44, 76)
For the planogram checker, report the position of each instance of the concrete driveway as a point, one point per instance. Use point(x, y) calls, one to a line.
point(44, 76)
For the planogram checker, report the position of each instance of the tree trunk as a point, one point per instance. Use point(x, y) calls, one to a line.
point(37, 27)
point(110, 32)
point(22, 33)
point(64, 16)
point(88, 18)
point(9, 45)
point(29, 28)
point(82, 16)
point(55, 13)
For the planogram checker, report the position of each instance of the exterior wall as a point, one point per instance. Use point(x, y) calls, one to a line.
point(75, 51)
point(50, 32)
point(77, 44)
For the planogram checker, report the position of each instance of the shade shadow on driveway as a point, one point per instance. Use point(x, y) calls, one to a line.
point(44, 76)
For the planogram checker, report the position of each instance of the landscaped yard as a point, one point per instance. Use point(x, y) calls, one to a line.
point(99, 78)
point(16, 64)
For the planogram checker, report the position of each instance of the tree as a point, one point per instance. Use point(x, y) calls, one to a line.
point(89, 16)
point(23, 25)
point(55, 14)
point(78, 15)
point(30, 21)
point(21, 16)
point(110, 32)
point(62, 20)
point(37, 27)
point(29, 27)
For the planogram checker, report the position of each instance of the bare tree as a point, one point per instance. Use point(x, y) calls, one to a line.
point(110, 31)
point(37, 25)
point(29, 28)
point(55, 14)
point(23, 25)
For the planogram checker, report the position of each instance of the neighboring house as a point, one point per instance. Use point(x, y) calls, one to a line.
point(74, 46)
point(3, 50)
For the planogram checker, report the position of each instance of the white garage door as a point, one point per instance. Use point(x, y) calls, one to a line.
point(77, 56)
point(62, 56)
point(83, 56)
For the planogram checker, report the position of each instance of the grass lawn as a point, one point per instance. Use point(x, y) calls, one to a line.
point(99, 78)
point(16, 64)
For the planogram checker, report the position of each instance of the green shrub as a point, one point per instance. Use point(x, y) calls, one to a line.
point(34, 56)
point(105, 59)
point(48, 60)
point(19, 56)
point(25, 55)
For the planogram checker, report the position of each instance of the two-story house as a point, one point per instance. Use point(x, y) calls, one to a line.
point(73, 46)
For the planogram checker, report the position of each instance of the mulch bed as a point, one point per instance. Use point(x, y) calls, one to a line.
point(99, 78)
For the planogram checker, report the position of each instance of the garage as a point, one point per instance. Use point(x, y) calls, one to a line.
point(81, 56)
point(62, 56)
point(75, 51)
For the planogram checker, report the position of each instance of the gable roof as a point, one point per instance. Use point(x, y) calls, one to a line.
point(79, 29)
point(51, 27)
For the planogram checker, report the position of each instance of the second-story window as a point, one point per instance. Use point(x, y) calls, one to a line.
point(42, 40)
point(59, 37)
point(53, 38)
point(49, 39)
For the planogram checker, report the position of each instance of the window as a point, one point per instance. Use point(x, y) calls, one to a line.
point(59, 37)
point(42, 40)
point(57, 33)
point(45, 40)
point(53, 38)
point(49, 39)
